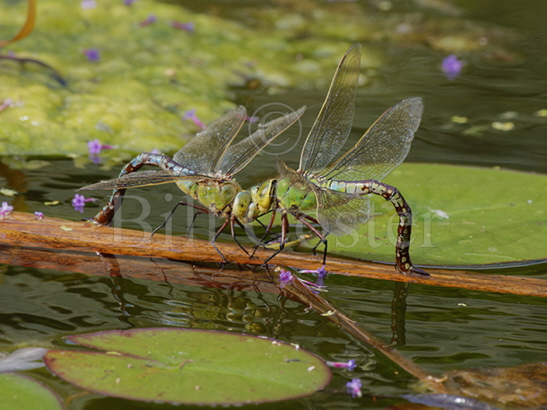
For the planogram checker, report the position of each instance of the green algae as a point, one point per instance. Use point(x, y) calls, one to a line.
point(147, 77)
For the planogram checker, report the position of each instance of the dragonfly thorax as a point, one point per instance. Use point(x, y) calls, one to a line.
point(293, 197)
point(215, 194)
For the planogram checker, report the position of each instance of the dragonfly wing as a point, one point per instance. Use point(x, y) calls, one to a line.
point(338, 212)
point(202, 153)
point(341, 213)
point(137, 179)
point(240, 154)
point(295, 179)
point(333, 124)
point(383, 147)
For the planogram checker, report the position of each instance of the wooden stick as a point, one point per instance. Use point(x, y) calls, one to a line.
point(19, 229)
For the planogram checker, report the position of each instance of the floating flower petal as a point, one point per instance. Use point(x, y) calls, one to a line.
point(452, 67)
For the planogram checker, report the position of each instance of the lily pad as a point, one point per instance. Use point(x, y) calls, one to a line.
point(189, 366)
point(22, 392)
point(462, 216)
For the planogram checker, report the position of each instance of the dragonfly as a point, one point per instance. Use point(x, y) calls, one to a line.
point(204, 170)
point(337, 192)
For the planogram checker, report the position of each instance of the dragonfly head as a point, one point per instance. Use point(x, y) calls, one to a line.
point(243, 208)
point(264, 195)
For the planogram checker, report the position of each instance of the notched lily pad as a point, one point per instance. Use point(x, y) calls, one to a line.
point(189, 366)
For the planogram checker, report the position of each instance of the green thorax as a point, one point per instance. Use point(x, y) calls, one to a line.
point(215, 194)
point(291, 196)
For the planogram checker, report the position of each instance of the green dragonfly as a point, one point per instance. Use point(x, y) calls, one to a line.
point(336, 192)
point(204, 169)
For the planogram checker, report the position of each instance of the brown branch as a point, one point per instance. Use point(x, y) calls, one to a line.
point(19, 229)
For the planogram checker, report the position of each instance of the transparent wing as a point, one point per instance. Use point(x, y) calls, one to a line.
point(138, 179)
point(295, 179)
point(338, 212)
point(203, 152)
point(383, 147)
point(240, 154)
point(333, 124)
point(341, 213)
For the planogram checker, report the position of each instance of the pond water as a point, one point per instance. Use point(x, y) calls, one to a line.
point(500, 93)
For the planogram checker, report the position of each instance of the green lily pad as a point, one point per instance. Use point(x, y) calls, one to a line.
point(462, 216)
point(189, 366)
point(22, 392)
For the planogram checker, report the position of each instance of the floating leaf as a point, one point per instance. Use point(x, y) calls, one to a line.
point(189, 366)
point(8, 192)
point(462, 216)
point(21, 392)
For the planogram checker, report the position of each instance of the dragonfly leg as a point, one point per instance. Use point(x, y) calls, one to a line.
point(402, 248)
point(234, 220)
point(224, 225)
point(284, 230)
point(201, 210)
point(105, 215)
point(267, 231)
point(304, 218)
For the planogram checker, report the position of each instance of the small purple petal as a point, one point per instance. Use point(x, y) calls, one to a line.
point(191, 115)
point(354, 388)
point(285, 278)
point(78, 202)
point(252, 119)
point(88, 4)
point(92, 54)
point(5, 104)
point(128, 2)
point(5, 210)
point(183, 26)
point(188, 115)
point(95, 158)
point(350, 365)
point(148, 20)
point(452, 67)
point(38, 215)
point(94, 147)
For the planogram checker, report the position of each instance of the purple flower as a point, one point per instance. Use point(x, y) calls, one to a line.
point(128, 2)
point(88, 4)
point(5, 210)
point(350, 365)
point(191, 115)
point(92, 54)
point(148, 20)
point(251, 119)
point(354, 388)
point(95, 146)
point(285, 278)
point(321, 274)
point(5, 104)
point(78, 202)
point(38, 215)
point(451, 67)
point(183, 26)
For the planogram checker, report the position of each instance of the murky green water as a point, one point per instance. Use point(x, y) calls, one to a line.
point(503, 81)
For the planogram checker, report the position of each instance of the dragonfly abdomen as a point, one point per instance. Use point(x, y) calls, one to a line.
point(392, 194)
point(104, 217)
